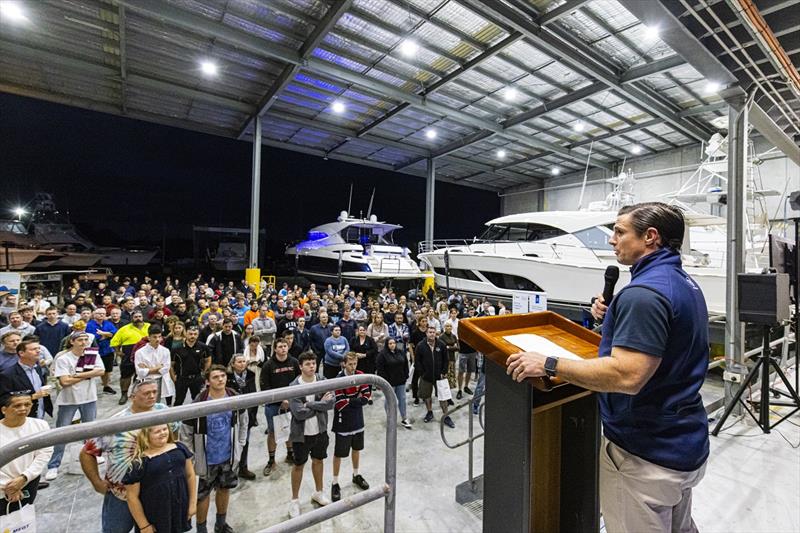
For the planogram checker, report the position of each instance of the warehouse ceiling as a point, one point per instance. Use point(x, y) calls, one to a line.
point(501, 94)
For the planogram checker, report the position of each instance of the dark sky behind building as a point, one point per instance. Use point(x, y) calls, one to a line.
point(127, 182)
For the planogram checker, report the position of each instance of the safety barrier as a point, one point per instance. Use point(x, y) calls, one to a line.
point(470, 437)
point(111, 426)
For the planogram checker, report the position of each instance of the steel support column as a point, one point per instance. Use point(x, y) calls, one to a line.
point(255, 193)
point(430, 191)
point(734, 329)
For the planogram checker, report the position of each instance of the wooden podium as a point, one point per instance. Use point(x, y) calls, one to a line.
point(541, 437)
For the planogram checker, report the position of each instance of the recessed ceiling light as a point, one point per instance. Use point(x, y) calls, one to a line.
point(12, 11)
point(430, 133)
point(555, 171)
point(510, 94)
point(579, 126)
point(501, 154)
point(651, 33)
point(409, 47)
point(338, 107)
point(209, 68)
point(636, 149)
point(712, 87)
point(19, 211)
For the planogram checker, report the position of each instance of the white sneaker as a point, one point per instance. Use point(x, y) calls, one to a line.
point(101, 460)
point(406, 423)
point(320, 498)
point(294, 509)
point(51, 474)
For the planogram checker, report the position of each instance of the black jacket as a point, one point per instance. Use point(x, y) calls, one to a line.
point(249, 386)
point(366, 364)
point(220, 356)
point(14, 379)
point(393, 367)
point(432, 366)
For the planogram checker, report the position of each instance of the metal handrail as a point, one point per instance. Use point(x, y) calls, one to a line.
point(469, 440)
point(112, 426)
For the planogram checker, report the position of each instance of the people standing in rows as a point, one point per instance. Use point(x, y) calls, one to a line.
point(467, 365)
point(319, 334)
point(279, 371)
point(348, 425)
point(16, 323)
point(417, 336)
point(243, 380)
point(451, 342)
point(189, 364)
point(392, 365)
point(161, 486)
point(52, 330)
point(302, 336)
point(123, 342)
point(398, 330)
point(217, 441)
point(378, 330)
point(8, 354)
point(309, 433)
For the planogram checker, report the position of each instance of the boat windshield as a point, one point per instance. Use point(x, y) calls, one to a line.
point(595, 238)
point(366, 235)
point(520, 231)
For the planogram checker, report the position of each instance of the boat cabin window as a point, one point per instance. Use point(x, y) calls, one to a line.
point(520, 232)
point(595, 238)
point(365, 236)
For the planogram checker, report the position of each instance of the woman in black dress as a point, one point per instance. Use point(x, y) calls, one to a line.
point(161, 486)
point(367, 350)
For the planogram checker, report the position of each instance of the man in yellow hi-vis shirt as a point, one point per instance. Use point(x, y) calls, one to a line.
point(123, 342)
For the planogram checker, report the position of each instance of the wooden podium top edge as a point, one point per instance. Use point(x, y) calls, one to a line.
point(485, 334)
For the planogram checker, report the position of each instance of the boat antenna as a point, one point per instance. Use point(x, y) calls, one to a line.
point(371, 198)
point(585, 176)
point(350, 199)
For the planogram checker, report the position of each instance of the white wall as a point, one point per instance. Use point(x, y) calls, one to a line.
point(656, 176)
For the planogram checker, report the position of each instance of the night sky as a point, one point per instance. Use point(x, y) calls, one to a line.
point(128, 182)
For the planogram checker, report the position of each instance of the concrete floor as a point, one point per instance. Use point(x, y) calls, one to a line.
point(752, 482)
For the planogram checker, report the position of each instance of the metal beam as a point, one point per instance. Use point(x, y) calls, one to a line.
point(623, 131)
point(430, 198)
point(255, 194)
point(767, 127)
point(449, 148)
point(326, 23)
point(700, 109)
point(578, 57)
point(561, 11)
point(652, 68)
point(554, 104)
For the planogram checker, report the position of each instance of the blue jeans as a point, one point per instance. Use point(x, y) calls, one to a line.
point(480, 390)
point(64, 418)
point(400, 391)
point(116, 515)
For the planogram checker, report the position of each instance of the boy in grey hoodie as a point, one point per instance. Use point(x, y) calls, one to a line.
point(308, 433)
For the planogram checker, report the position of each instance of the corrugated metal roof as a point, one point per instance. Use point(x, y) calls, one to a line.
point(478, 77)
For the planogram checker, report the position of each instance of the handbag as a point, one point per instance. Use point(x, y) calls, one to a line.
point(282, 423)
point(20, 521)
point(443, 391)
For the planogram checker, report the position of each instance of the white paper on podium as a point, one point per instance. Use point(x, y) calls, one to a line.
point(528, 342)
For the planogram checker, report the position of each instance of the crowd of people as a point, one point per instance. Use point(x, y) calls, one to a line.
point(212, 340)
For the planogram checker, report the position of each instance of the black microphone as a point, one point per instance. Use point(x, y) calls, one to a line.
point(611, 277)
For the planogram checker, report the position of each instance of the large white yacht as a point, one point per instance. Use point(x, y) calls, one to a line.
point(562, 253)
point(360, 251)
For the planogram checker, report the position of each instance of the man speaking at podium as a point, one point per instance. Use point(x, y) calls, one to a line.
point(653, 358)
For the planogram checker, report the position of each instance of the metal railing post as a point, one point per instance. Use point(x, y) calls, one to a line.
point(111, 426)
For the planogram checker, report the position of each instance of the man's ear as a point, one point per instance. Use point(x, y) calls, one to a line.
point(651, 237)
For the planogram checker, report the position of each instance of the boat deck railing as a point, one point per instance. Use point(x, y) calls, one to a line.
point(555, 248)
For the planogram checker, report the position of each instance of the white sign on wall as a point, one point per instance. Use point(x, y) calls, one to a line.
point(9, 283)
point(528, 302)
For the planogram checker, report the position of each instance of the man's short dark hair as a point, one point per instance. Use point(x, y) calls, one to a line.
point(215, 368)
point(154, 330)
point(307, 356)
point(668, 220)
point(23, 345)
point(227, 321)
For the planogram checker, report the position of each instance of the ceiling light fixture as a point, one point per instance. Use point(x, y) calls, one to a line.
point(20, 212)
point(501, 154)
point(636, 149)
point(712, 87)
point(12, 11)
point(409, 47)
point(510, 94)
point(430, 133)
point(651, 33)
point(209, 68)
point(338, 107)
point(579, 126)
point(555, 171)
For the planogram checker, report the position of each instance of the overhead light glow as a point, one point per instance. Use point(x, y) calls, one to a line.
point(636, 149)
point(430, 133)
point(12, 11)
point(651, 33)
point(338, 107)
point(510, 94)
point(19, 211)
point(209, 68)
point(712, 87)
point(409, 47)
point(501, 154)
point(579, 126)
point(555, 171)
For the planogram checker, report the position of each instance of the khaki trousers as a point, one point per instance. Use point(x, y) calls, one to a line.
point(637, 496)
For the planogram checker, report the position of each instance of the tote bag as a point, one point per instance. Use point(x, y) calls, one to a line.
point(282, 423)
point(21, 521)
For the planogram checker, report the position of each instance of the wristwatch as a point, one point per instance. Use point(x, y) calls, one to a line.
point(550, 366)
